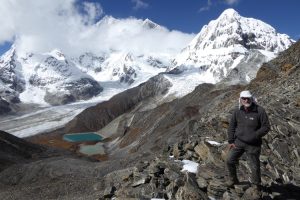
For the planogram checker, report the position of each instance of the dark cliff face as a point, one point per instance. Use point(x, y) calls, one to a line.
point(4, 106)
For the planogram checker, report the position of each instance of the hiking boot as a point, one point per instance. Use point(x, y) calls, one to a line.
point(231, 182)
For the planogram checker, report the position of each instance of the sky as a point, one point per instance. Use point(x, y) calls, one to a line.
point(70, 25)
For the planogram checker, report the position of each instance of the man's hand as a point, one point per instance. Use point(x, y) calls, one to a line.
point(231, 146)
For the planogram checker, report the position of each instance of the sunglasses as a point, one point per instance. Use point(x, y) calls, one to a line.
point(246, 98)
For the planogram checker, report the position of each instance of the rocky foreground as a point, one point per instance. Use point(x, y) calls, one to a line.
point(145, 161)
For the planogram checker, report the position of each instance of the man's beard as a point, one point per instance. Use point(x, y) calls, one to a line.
point(247, 105)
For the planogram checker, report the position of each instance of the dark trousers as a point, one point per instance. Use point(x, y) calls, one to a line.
point(253, 153)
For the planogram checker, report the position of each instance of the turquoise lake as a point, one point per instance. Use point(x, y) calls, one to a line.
point(92, 149)
point(82, 137)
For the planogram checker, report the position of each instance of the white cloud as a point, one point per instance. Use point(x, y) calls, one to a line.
point(210, 4)
point(130, 35)
point(231, 2)
point(93, 11)
point(41, 26)
point(207, 7)
point(139, 4)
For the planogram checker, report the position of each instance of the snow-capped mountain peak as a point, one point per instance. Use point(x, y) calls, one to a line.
point(147, 23)
point(229, 13)
point(229, 40)
point(232, 29)
point(107, 20)
point(57, 54)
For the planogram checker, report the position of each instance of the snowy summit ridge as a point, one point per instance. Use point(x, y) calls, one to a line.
point(232, 29)
point(229, 41)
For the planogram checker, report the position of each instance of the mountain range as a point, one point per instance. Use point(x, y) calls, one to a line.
point(231, 47)
point(165, 124)
point(148, 144)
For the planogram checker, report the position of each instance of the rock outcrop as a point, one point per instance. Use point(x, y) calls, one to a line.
point(4, 106)
point(81, 89)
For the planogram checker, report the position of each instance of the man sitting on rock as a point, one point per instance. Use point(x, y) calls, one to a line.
point(248, 125)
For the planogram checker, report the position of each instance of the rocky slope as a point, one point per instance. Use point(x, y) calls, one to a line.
point(186, 126)
point(31, 171)
point(15, 150)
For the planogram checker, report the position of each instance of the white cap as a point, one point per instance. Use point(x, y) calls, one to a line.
point(245, 93)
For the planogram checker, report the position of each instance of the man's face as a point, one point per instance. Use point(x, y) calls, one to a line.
point(246, 101)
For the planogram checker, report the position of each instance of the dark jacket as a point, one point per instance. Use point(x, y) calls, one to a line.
point(248, 126)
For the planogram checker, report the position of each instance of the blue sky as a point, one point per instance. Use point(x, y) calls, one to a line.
point(187, 16)
point(191, 15)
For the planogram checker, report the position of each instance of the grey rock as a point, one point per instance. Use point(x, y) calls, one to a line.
point(140, 179)
point(247, 68)
point(81, 89)
point(190, 190)
point(109, 192)
point(216, 188)
point(241, 188)
point(230, 196)
point(202, 183)
point(4, 106)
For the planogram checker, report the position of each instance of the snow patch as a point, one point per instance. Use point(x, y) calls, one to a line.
point(189, 166)
point(214, 143)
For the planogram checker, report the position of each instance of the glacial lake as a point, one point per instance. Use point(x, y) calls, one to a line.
point(92, 149)
point(82, 137)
